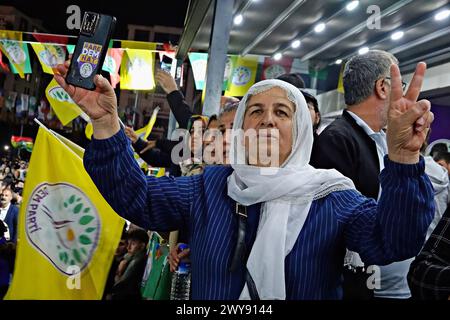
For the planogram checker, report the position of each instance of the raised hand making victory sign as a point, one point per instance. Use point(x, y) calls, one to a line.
point(408, 119)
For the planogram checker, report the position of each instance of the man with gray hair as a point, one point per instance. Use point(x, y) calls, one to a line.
point(355, 145)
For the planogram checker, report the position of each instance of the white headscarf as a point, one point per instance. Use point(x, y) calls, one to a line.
point(286, 194)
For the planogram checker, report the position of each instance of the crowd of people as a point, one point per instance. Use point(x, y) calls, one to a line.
point(306, 216)
point(12, 177)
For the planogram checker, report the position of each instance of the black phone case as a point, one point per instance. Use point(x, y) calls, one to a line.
point(90, 51)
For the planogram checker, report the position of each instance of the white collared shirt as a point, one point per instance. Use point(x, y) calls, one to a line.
point(380, 141)
point(3, 212)
point(378, 137)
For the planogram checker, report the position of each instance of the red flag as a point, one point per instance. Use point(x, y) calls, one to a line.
point(3, 65)
point(112, 64)
point(274, 68)
point(169, 47)
point(51, 38)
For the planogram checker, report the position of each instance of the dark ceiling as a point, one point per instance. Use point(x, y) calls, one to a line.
point(345, 33)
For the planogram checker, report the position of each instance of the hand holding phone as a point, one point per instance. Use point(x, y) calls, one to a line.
point(166, 81)
point(166, 64)
point(90, 51)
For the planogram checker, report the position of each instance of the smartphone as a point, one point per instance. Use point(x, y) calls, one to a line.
point(166, 64)
point(90, 52)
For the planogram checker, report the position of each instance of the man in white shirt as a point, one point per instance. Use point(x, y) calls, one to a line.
point(355, 145)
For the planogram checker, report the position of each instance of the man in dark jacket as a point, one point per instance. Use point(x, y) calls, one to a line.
point(355, 144)
point(9, 214)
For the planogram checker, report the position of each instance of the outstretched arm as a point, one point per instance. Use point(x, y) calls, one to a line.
point(159, 204)
point(397, 229)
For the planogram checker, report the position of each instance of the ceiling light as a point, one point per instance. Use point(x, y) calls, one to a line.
point(277, 56)
point(363, 50)
point(295, 44)
point(441, 15)
point(319, 27)
point(338, 61)
point(352, 5)
point(397, 35)
point(238, 19)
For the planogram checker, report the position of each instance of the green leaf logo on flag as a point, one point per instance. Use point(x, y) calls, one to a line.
point(65, 225)
point(59, 94)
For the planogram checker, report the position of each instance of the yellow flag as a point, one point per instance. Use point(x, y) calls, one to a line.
point(144, 132)
point(129, 44)
point(136, 71)
point(68, 233)
point(203, 94)
point(11, 45)
point(242, 76)
point(340, 87)
point(89, 131)
point(66, 110)
point(49, 55)
point(161, 173)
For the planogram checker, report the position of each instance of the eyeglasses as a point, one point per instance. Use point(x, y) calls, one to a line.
point(403, 83)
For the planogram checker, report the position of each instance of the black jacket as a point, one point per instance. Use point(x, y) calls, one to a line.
point(180, 109)
point(344, 146)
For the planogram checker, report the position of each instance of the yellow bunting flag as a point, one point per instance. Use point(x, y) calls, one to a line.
point(242, 76)
point(16, 51)
point(129, 44)
point(49, 55)
point(68, 233)
point(136, 71)
point(66, 110)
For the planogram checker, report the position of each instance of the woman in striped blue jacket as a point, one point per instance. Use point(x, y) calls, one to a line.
point(271, 227)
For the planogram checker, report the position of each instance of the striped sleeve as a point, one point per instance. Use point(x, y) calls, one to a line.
point(159, 204)
point(395, 228)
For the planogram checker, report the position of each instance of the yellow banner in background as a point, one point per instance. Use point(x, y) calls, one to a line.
point(242, 76)
point(136, 71)
point(49, 55)
point(66, 110)
point(68, 233)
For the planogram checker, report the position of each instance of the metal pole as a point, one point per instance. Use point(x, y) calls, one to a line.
point(135, 108)
point(223, 16)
